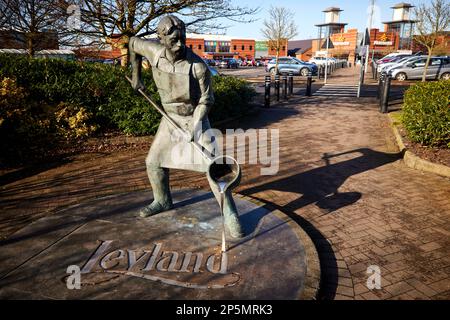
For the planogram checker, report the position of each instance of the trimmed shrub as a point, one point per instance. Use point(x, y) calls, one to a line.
point(101, 89)
point(426, 113)
point(232, 97)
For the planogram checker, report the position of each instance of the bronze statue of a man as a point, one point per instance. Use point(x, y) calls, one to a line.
point(185, 87)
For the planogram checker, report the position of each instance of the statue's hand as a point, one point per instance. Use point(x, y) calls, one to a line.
point(137, 84)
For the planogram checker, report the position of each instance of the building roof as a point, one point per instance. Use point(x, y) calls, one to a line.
point(402, 5)
point(331, 24)
point(400, 21)
point(300, 46)
point(332, 9)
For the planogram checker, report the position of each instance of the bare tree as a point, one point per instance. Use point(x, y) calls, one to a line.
point(32, 22)
point(279, 29)
point(432, 21)
point(115, 21)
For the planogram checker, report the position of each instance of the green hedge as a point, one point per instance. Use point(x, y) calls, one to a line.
point(426, 113)
point(99, 94)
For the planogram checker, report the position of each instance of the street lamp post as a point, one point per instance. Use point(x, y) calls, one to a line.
point(370, 27)
point(326, 57)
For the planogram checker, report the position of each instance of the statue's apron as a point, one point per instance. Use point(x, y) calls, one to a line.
point(168, 149)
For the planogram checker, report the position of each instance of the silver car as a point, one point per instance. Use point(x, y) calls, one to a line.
point(290, 64)
point(389, 65)
point(439, 68)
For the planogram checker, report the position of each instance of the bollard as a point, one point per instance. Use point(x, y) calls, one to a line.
point(285, 85)
point(308, 85)
point(319, 72)
point(380, 86)
point(291, 83)
point(277, 86)
point(386, 92)
point(267, 92)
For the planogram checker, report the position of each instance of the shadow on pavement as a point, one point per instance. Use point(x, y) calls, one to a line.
point(320, 186)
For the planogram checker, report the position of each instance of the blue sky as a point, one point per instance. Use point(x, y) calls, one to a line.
point(307, 13)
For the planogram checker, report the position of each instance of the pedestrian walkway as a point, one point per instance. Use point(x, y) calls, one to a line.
point(335, 90)
point(341, 178)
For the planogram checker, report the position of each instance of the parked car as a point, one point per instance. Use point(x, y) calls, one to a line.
point(385, 67)
point(393, 58)
point(439, 68)
point(210, 62)
point(321, 60)
point(229, 64)
point(288, 64)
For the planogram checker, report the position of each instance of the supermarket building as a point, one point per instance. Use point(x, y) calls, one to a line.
point(220, 46)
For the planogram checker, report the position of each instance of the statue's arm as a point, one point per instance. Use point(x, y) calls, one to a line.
point(139, 48)
point(203, 75)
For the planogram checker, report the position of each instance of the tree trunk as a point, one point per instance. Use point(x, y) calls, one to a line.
point(30, 45)
point(278, 56)
point(424, 76)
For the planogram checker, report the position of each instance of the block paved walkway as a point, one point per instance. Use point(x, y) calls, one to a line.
point(341, 177)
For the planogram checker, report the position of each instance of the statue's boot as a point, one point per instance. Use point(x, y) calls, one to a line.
point(159, 179)
point(230, 213)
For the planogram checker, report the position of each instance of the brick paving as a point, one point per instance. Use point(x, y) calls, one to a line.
point(341, 177)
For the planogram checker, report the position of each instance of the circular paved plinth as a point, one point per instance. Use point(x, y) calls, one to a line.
point(174, 255)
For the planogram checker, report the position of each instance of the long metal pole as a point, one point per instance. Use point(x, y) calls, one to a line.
point(326, 57)
point(370, 27)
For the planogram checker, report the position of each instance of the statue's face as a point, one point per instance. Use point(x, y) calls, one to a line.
point(175, 42)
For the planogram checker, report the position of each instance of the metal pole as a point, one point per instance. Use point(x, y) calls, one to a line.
point(326, 60)
point(370, 27)
point(380, 83)
point(386, 92)
point(291, 83)
point(361, 80)
point(374, 70)
point(267, 92)
point(285, 85)
point(277, 87)
point(308, 85)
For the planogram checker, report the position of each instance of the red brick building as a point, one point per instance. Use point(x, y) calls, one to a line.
point(219, 46)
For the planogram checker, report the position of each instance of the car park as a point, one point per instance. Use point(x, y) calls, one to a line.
point(439, 68)
point(290, 64)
